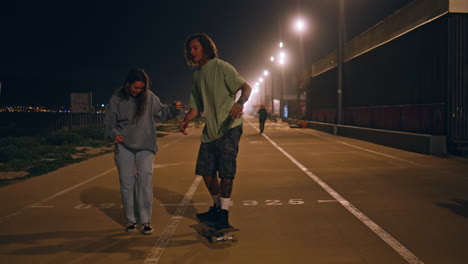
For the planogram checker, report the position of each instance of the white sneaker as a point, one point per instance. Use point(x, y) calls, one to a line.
point(130, 227)
point(147, 229)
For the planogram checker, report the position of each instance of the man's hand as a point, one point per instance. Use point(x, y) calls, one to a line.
point(119, 139)
point(236, 111)
point(183, 126)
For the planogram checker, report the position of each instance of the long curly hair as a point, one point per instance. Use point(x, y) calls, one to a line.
point(134, 75)
point(209, 47)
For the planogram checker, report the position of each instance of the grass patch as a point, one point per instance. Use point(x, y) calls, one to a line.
point(40, 155)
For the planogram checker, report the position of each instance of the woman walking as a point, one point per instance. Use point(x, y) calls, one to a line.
point(130, 123)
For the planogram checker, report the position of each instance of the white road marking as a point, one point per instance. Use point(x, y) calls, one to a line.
point(20, 211)
point(158, 166)
point(55, 195)
point(360, 148)
point(387, 238)
point(168, 231)
point(174, 141)
point(327, 201)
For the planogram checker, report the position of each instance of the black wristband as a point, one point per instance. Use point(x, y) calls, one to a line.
point(240, 101)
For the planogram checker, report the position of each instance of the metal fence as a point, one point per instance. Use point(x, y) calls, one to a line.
point(41, 124)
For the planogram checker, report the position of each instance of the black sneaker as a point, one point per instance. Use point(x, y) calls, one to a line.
point(222, 221)
point(130, 227)
point(210, 216)
point(147, 229)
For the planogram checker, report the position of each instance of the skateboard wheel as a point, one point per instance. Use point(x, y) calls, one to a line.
point(235, 237)
point(214, 239)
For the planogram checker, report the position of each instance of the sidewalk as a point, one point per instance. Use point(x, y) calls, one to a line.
point(300, 196)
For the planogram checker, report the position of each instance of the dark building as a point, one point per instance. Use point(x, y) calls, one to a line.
point(404, 81)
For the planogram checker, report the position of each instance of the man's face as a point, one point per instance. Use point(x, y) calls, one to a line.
point(136, 88)
point(196, 52)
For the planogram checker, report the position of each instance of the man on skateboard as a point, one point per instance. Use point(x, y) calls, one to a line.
point(215, 84)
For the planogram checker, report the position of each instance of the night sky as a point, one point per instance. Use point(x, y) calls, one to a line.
point(51, 48)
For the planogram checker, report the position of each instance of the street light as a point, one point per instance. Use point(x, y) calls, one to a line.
point(281, 59)
point(300, 26)
point(265, 73)
point(254, 93)
point(261, 81)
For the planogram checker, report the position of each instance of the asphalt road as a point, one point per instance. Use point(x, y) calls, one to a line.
point(300, 196)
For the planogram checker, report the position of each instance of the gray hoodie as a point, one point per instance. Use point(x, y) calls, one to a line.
point(139, 135)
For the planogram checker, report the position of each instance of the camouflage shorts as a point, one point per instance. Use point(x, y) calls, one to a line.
point(220, 156)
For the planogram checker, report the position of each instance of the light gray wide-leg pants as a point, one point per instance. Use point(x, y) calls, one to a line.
point(136, 183)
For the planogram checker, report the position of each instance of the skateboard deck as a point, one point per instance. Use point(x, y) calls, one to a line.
point(221, 235)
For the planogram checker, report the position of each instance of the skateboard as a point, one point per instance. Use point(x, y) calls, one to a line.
point(221, 235)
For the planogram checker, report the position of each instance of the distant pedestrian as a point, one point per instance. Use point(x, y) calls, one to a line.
point(215, 84)
point(130, 123)
point(262, 116)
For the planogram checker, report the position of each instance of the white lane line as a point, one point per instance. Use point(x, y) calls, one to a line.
point(392, 242)
point(20, 211)
point(2, 219)
point(360, 148)
point(159, 166)
point(168, 231)
point(174, 141)
point(327, 201)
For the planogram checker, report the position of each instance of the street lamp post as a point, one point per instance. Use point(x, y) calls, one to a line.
point(340, 66)
point(281, 60)
point(263, 95)
point(265, 73)
point(300, 26)
point(272, 59)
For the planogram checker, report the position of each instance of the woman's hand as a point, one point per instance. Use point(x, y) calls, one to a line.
point(177, 105)
point(119, 139)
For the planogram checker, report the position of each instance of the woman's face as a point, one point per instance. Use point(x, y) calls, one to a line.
point(136, 88)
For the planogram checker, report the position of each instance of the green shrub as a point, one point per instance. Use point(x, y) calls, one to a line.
point(50, 165)
point(93, 143)
point(20, 142)
point(93, 132)
point(46, 151)
point(19, 164)
point(8, 152)
point(60, 138)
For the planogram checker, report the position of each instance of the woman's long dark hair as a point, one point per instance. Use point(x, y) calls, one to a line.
point(133, 76)
point(209, 48)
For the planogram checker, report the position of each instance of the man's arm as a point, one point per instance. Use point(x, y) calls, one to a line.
point(236, 111)
point(192, 114)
